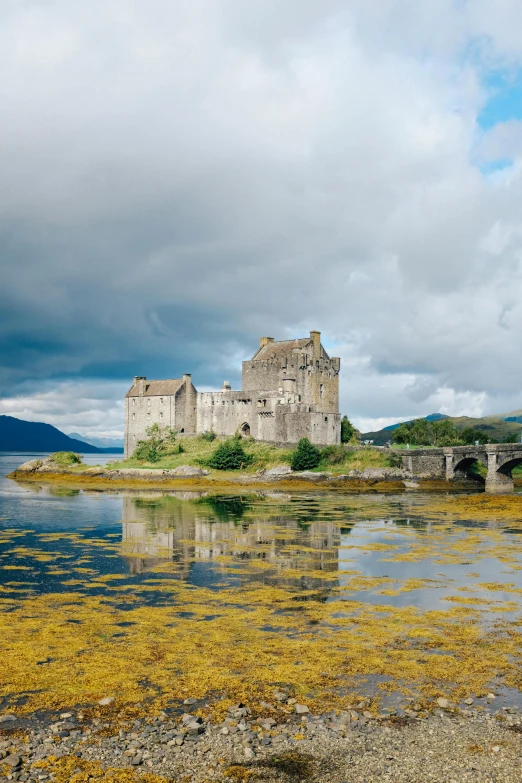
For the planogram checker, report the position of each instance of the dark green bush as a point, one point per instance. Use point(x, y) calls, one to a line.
point(208, 436)
point(230, 455)
point(306, 456)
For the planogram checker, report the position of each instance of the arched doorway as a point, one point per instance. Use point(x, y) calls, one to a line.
point(245, 430)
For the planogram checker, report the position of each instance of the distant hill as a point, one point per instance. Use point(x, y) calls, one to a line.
point(497, 426)
point(19, 435)
point(114, 444)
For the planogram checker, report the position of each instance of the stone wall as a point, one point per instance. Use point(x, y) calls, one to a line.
point(310, 379)
point(290, 393)
point(265, 416)
point(178, 411)
point(422, 462)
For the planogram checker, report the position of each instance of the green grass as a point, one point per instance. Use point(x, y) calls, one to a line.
point(66, 459)
point(197, 451)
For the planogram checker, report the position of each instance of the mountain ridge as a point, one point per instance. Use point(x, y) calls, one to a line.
point(100, 443)
point(497, 425)
point(20, 435)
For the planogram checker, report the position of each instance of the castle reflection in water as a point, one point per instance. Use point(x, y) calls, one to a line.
point(188, 528)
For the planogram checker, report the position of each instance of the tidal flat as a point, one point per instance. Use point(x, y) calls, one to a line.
point(369, 609)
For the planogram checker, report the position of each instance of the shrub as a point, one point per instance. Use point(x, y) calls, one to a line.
point(306, 456)
point(208, 436)
point(66, 458)
point(159, 442)
point(230, 455)
point(333, 455)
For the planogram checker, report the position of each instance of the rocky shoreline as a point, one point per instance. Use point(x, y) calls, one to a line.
point(47, 470)
point(338, 746)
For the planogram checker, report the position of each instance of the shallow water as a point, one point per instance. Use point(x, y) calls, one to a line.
point(196, 556)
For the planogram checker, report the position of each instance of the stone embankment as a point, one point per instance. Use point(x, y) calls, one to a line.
point(353, 745)
point(47, 468)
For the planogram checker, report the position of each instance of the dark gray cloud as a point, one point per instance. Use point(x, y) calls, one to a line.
point(180, 178)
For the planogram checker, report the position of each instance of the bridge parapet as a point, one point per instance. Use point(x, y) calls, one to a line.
point(454, 462)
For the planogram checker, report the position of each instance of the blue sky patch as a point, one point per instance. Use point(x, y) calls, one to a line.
point(505, 101)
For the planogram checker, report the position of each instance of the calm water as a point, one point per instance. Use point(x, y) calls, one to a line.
point(178, 551)
point(367, 544)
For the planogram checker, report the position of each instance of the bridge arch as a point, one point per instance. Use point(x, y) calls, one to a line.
point(462, 466)
point(500, 466)
point(508, 466)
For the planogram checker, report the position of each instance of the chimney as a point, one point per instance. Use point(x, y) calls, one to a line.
point(139, 381)
point(265, 340)
point(226, 386)
point(187, 377)
point(316, 337)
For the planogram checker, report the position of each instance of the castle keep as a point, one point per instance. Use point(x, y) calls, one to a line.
point(290, 390)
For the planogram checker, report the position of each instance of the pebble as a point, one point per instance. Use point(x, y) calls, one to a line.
point(301, 709)
point(13, 760)
point(106, 701)
point(343, 745)
point(444, 703)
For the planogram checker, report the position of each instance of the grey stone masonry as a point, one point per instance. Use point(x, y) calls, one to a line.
point(454, 462)
point(290, 390)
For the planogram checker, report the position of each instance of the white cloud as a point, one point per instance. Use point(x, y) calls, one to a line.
point(89, 408)
point(181, 178)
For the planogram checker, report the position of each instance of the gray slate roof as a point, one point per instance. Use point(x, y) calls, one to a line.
point(157, 388)
point(280, 347)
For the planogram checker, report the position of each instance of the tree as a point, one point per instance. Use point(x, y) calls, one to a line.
point(306, 456)
point(513, 438)
point(349, 433)
point(470, 435)
point(421, 432)
point(230, 455)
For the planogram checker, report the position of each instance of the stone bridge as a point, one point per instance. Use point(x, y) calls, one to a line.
point(454, 463)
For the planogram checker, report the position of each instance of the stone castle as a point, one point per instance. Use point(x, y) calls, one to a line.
point(290, 390)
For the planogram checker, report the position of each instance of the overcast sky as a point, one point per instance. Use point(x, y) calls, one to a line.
point(180, 177)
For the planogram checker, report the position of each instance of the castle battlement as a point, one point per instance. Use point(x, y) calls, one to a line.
point(290, 390)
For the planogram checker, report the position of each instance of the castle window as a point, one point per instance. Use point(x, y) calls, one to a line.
point(148, 400)
point(161, 400)
point(321, 389)
point(134, 400)
point(326, 418)
point(161, 414)
point(148, 415)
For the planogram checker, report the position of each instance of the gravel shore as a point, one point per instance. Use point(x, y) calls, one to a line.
point(446, 745)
